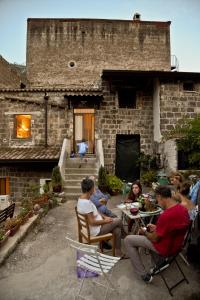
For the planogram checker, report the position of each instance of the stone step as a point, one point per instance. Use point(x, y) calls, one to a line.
point(76, 160)
point(72, 189)
point(79, 177)
point(72, 196)
point(83, 165)
point(81, 170)
point(72, 182)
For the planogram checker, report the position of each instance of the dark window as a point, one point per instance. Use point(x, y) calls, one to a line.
point(188, 86)
point(127, 98)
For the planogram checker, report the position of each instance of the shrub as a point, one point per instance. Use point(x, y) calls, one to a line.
point(148, 177)
point(114, 183)
point(102, 181)
point(56, 179)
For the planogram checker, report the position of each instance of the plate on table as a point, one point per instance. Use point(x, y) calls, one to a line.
point(158, 210)
point(121, 206)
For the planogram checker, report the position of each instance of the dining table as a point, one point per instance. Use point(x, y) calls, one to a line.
point(140, 217)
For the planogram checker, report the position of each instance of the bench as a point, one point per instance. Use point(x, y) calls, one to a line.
point(7, 212)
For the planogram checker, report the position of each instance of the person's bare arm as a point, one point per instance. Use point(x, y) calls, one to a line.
point(92, 221)
point(150, 233)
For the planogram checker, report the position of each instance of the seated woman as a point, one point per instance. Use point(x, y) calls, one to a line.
point(182, 197)
point(98, 223)
point(176, 179)
point(135, 192)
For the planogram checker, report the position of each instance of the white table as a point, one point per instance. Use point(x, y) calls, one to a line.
point(139, 217)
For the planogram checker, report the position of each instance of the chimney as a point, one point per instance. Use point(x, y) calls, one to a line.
point(136, 17)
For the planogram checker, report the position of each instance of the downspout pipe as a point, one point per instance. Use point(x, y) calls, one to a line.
point(46, 97)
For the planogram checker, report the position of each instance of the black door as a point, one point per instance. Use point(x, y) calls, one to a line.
point(127, 153)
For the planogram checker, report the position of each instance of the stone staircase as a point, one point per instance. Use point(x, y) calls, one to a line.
point(74, 175)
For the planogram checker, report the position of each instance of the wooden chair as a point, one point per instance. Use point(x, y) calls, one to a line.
point(84, 233)
point(92, 260)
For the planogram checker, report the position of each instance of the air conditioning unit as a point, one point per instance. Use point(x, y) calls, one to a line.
point(4, 201)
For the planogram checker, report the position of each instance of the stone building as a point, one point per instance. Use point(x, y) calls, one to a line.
point(102, 80)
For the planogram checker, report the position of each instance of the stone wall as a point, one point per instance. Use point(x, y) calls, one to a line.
point(112, 120)
point(23, 180)
point(175, 103)
point(73, 52)
point(33, 104)
point(9, 77)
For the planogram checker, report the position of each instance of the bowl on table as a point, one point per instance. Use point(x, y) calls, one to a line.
point(134, 210)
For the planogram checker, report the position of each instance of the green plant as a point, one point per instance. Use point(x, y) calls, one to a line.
point(11, 223)
point(146, 162)
point(148, 177)
point(56, 179)
point(114, 183)
point(2, 234)
point(102, 182)
point(23, 212)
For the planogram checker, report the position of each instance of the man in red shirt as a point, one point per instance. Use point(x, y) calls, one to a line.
point(165, 238)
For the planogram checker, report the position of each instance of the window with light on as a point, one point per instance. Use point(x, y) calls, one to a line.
point(23, 126)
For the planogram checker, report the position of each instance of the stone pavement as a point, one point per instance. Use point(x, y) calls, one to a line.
point(42, 267)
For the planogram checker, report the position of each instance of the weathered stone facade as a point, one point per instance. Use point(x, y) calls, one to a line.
point(73, 52)
point(112, 120)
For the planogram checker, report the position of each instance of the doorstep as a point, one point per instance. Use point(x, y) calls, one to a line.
point(12, 241)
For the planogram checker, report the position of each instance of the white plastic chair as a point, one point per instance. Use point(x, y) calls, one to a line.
point(94, 261)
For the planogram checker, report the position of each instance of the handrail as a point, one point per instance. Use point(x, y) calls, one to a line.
point(66, 146)
point(99, 153)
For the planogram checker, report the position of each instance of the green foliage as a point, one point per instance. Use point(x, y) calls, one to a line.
point(56, 179)
point(102, 181)
point(146, 162)
point(148, 177)
point(187, 133)
point(114, 183)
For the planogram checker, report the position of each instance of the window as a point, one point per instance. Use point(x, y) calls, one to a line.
point(23, 126)
point(188, 86)
point(4, 186)
point(127, 98)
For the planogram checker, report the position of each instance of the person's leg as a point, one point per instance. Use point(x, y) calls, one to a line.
point(132, 243)
point(104, 210)
point(115, 228)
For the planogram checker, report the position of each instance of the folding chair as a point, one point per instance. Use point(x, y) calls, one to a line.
point(84, 233)
point(168, 262)
point(96, 262)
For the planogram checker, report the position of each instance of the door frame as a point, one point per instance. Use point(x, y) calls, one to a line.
point(92, 112)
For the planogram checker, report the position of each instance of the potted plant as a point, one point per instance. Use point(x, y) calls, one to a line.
point(3, 236)
point(114, 184)
point(13, 225)
point(56, 180)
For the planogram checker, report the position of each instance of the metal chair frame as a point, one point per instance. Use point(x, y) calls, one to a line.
point(94, 261)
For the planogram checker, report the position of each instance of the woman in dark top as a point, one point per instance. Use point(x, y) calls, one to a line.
point(135, 192)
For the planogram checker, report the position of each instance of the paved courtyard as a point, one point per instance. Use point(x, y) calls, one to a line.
point(43, 267)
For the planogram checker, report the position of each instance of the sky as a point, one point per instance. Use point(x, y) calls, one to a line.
point(184, 15)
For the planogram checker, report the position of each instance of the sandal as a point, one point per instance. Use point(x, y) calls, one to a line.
point(124, 256)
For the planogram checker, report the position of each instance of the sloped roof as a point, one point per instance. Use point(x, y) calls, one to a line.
point(29, 154)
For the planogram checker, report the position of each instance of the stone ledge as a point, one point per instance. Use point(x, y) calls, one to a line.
point(12, 242)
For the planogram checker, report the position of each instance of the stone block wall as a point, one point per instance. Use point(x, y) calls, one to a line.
point(33, 104)
point(23, 180)
point(175, 103)
point(112, 120)
point(9, 77)
point(73, 52)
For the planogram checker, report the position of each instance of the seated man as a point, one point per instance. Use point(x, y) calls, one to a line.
point(165, 238)
point(100, 200)
point(99, 224)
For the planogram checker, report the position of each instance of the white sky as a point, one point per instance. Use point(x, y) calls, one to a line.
point(184, 14)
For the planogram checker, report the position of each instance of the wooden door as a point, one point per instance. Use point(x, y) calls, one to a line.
point(84, 128)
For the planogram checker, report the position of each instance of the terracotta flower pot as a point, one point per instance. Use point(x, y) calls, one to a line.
point(14, 229)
